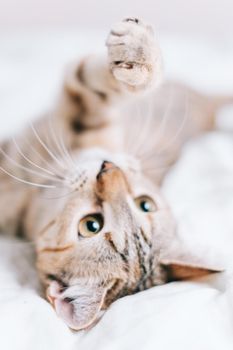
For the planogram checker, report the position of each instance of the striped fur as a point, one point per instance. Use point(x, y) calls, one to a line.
point(61, 155)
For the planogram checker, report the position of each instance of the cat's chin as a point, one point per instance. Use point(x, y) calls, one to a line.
point(79, 310)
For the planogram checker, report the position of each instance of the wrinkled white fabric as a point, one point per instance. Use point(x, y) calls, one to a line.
point(186, 315)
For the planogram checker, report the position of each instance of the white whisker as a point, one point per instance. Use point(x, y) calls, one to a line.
point(28, 169)
point(55, 171)
point(60, 146)
point(165, 118)
point(134, 130)
point(160, 132)
point(154, 153)
point(146, 117)
point(46, 148)
point(25, 181)
point(29, 160)
point(186, 115)
point(65, 151)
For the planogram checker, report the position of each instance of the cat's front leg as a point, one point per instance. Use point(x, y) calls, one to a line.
point(133, 62)
point(95, 86)
point(134, 55)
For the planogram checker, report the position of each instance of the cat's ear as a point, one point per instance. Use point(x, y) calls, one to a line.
point(79, 305)
point(183, 270)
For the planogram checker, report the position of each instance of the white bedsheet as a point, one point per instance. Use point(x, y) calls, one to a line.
point(189, 315)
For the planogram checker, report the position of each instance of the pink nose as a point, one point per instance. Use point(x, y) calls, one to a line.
point(106, 165)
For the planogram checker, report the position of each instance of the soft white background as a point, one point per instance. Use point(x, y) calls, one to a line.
point(211, 18)
point(36, 39)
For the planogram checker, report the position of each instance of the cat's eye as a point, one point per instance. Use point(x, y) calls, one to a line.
point(146, 204)
point(90, 225)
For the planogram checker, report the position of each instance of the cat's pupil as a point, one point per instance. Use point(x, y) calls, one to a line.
point(145, 206)
point(93, 226)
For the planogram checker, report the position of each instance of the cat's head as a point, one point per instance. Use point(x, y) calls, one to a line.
point(103, 238)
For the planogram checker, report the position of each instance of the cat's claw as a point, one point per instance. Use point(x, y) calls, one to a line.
point(134, 55)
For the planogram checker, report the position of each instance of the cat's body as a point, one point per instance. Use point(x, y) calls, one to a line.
point(95, 157)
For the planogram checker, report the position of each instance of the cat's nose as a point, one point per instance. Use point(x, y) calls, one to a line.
point(111, 181)
point(107, 165)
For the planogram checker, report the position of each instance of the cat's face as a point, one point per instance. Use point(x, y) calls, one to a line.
point(102, 241)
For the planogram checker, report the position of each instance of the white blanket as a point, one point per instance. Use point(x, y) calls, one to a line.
point(186, 315)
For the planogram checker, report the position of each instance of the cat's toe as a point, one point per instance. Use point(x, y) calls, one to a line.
point(134, 55)
point(132, 19)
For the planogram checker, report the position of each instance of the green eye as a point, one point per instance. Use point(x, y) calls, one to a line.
point(146, 204)
point(90, 225)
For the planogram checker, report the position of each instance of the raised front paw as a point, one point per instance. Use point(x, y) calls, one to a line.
point(134, 55)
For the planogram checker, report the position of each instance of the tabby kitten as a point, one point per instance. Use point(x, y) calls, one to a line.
point(94, 209)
